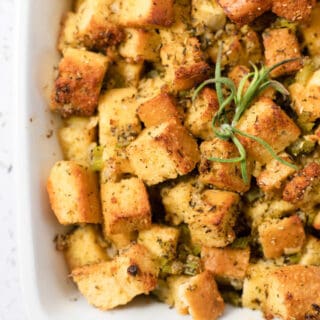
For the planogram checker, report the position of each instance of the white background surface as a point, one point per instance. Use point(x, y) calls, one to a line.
point(10, 297)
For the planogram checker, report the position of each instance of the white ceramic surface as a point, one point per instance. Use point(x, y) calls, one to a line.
point(47, 291)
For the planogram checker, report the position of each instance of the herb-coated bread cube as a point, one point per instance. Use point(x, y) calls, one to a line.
point(122, 240)
point(73, 193)
point(107, 285)
point(311, 252)
point(163, 152)
point(68, 33)
point(77, 87)
point(125, 206)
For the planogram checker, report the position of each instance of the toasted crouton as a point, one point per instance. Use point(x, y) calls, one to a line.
point(163, 152)
point(226, 176)
point(107, 285)
point(293, 10)
point(160, 240)
point(207, 14)
point(159, 109)
point(140, 44)
point(267, 121)
point(303, 188)
point(184, 62)
point(306, 97)
point(85, 246)
point(73, 193)
point(274, 174)
point(197, 295)
point(122, 240)
point(311, 252)
point(77, 87)
point(244, 12)
point(213, 219)
point(282, 44)
point(68, 33)
point(227, 264)
point(199, 116)
point(144, 13)
point(278, 237)
point(95, 26)
point(293, 293)
point(76, 136)
point(125, 206)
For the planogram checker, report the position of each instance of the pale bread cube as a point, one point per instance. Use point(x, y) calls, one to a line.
point(311, 252)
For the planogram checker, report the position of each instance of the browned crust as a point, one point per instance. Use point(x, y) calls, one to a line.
point(244, 11)
point(293, 10)
point(162, 13)
point(295, 189)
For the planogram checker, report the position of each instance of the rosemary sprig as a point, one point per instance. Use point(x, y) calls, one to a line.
point(225, 130)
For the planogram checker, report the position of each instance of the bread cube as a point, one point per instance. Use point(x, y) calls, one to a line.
point(282, 44)
point(184, 63)
point(107, 285)
point(268, 121)
point(73, 193)
point(160, 240)
point(303, 189)
point(306, 98)
point(244, 12)
point(199, 116)
point(255, 286)
point(159, 109)
point(68, 33)
point(177, 201)
point(149, 88)
point(311, 252)
point(293, 293)
point(293, 10)
point(125, 206)
point(278, 237)
point(95, 26)
point(207, 14)
point(77, 87)
point(214, 217)
point(274, 174)
point(226, 176)
point(85, 246)
point(122, 240)
point(163, 152)
point(197, 295)
point(227, 264)
point(76, 136)
point(145, 13)
point(140, 44)
point(310, 32)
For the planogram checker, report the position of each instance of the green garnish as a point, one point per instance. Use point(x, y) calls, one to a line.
point(302, 146)
point(96, 158)
point(226, 129)
point(241, 243)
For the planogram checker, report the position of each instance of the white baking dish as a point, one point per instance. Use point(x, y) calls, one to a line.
point(48, 292)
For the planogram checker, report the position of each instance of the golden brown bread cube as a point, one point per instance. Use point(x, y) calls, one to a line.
point(272, 177)
point(303, 188)
point(278, 237)
point(73, 193)
point(207, 14)
point(227, 264)
point(144, 13)
point(184, 62)
point(95, 25)
point(76, 137)
point(282, 44)
point(159, 109)
point(199, 116)
point(266, 120)
point(306, 97)
point(226, 176)
point(197, 296)
point(244, 11)
point(293, 10)
point(140, 44)
point(107, 285)
point(311, 252)
point(160, 240)
point(77, 87)
point(213, 218)
point(125, 206)
point(85, 246)
point(163, 152)
point(293, 293)
point(122, 240)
